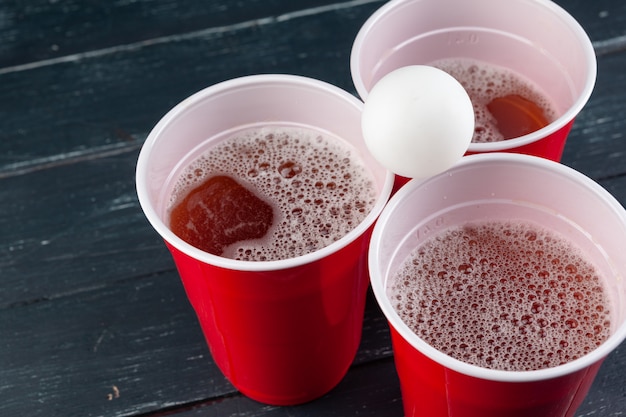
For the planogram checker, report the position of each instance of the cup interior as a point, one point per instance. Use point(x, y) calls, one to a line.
point(505, 186)
point(538, 40)
point(220, 111)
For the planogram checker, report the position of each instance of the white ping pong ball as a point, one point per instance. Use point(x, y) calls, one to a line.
point(418, 121)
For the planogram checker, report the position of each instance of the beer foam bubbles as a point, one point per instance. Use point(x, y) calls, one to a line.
point(484, 83)
point(317, 184)
point(503, 295)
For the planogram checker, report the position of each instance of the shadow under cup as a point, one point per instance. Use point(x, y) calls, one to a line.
point(534, 38)
point(283, 332)
point(488, 187)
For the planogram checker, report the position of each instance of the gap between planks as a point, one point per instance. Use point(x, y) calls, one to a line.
point(603, 47)
point(186, 36)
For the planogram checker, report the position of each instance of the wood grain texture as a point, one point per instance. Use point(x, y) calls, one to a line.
point(346, 399)
point(41, 30)
point(46, 30)
point(93, 318)
point(97, 105)
point(81, 229)
point(140, 336)
point(103, 93)
point(597, 143)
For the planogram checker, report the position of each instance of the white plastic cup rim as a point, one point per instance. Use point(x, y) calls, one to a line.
point(380, 291)
point(223, 88)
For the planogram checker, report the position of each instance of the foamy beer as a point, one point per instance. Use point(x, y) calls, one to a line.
point(503, 283)
point(528, 65)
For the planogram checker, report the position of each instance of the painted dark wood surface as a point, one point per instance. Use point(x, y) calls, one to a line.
point(93, 318)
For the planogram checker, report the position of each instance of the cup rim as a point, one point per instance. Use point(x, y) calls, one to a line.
point(141, 176)
point(394, 320)
point(475, 147)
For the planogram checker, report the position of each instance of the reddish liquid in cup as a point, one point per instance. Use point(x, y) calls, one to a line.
point(503, 295)
point(505, 105)
point(271, 193)
point(218, 213)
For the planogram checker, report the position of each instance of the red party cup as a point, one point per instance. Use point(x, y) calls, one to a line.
point(535, 39)
point(282, 331)
point(506, 187)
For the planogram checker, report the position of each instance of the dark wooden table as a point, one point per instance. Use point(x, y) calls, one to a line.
point(93, 318)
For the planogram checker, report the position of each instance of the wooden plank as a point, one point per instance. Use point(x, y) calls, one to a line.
point(135, 348)
point(74, 228)
point(607, 396)
point(597, 143)
point(58, 123)
point(62, 356)
point(616, 186)
point(603, 20)
point(371, 390)
point(139, 336)
point(44, 30)
point(374, 391)
point(107, 103)
point(98, 104)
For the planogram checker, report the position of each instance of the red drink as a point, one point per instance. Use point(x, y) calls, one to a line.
point(503, 295)
point(218, 213)
point(505, 105)
point(271, 193)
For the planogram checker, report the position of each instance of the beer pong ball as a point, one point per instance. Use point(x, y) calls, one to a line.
point(418, 121)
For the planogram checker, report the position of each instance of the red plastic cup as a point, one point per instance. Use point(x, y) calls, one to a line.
point(283, 332)
point(488, 187)
point(536, 39)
